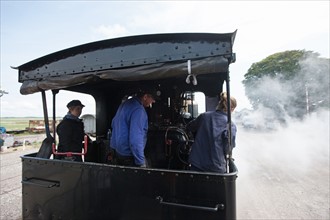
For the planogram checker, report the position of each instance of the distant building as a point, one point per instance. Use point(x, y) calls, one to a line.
point(90, 123)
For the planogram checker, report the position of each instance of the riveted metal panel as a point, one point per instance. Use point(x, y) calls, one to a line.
point(54, 189)
point(133, 58)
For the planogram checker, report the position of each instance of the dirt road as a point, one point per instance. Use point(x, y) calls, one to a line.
point(10, 185)
point(281, 179)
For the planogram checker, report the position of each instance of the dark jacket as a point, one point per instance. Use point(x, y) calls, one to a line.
point(71, 135)
point(208, 150)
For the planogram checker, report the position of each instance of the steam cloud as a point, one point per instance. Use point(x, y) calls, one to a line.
point(284, 164)
point(296, 145)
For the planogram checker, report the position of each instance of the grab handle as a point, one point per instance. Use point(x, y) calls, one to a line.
point(41, 182)
point(70, 154)
point(210, 209)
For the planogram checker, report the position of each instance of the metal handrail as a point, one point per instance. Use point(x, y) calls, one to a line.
point(70, 154)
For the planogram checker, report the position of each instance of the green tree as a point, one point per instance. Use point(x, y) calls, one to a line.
point(290, 83)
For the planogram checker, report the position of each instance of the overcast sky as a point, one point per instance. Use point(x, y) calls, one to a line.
point(31, 29)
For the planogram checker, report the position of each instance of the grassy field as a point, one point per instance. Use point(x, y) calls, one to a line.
point(22, 125)
point(19, 123)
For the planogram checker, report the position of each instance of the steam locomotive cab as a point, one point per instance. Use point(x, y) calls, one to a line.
point(180, 66)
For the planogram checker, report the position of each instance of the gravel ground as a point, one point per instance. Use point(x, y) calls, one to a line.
point(10, 185)
point(283, 175)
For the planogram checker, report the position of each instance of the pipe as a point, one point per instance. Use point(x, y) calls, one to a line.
point(54, 113)
point(229, 151)
point(44, 105)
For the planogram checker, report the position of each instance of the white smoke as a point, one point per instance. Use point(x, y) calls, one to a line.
point(283, 165)
point(297, 144)
point(286, 169)
point(269, 133)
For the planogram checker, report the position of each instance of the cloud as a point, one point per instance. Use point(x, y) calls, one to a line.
point(31, 105)
point(21, 106)
point(111, 31)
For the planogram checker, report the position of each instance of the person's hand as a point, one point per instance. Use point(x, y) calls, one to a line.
point(89, 140)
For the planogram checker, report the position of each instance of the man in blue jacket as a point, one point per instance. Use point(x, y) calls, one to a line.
point(129, 129)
